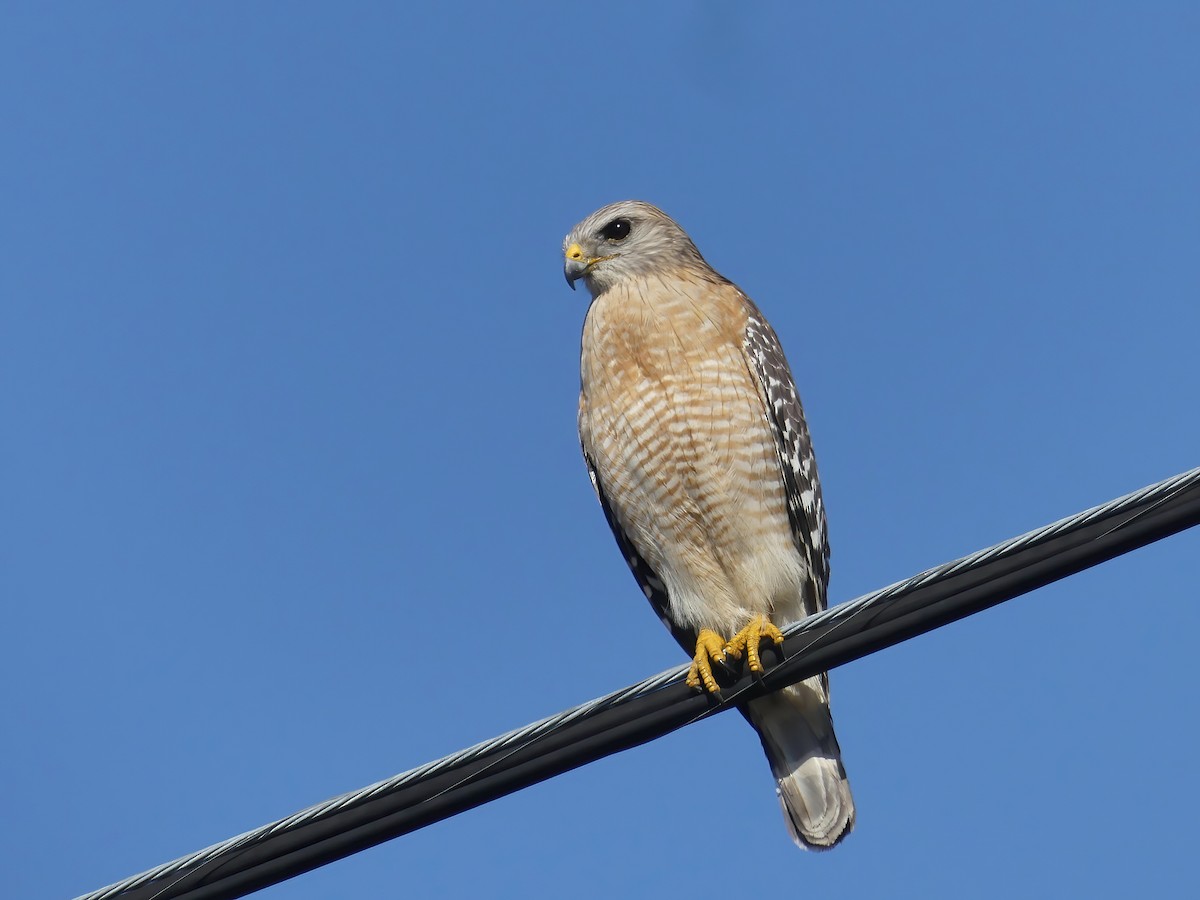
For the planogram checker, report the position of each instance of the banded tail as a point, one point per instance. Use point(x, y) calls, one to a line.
point(796, 730)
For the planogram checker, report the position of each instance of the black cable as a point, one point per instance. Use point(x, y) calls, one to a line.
point(602, 727)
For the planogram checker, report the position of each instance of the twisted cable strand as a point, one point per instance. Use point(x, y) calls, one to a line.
point(1139, 503)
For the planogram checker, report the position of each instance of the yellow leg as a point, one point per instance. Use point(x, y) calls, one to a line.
point(747, 641)
point(709, 646)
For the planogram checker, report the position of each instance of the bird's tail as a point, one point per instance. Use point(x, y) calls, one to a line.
point(796, 730)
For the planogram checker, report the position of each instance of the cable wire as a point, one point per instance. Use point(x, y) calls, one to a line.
point(437, 790)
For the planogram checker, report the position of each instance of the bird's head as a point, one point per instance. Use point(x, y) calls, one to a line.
point(621, 241)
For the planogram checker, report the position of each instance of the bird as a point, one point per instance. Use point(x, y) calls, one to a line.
point(697, 448)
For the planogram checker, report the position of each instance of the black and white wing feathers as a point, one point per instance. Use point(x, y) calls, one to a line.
point(806, 510)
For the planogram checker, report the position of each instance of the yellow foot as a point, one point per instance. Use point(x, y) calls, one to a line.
point(709, 647)
point(747, 641)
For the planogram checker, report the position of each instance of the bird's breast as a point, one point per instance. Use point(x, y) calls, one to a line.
point(676, 427)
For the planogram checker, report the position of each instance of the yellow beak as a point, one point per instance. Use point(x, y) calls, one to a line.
point(576, 265)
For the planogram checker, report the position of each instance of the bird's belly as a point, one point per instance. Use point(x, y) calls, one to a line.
point(692, 475)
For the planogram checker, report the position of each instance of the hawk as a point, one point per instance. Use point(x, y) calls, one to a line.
point(696, 444)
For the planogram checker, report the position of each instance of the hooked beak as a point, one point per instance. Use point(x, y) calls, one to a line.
point(575, 265)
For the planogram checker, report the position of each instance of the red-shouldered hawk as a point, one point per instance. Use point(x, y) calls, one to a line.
point(697, 447)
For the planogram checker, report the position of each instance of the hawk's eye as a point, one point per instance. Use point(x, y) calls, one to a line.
point(617, 229)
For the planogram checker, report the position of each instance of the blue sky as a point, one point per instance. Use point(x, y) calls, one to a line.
point(292, 493)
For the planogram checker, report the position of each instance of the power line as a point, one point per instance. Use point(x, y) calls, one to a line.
point(658, 705)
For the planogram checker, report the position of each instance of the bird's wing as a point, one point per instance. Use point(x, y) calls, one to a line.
point(806, 510)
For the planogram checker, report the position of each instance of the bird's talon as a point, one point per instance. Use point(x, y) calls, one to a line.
point(709, 646)
point(749, 639)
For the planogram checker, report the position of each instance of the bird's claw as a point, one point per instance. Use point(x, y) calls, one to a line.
point(747, 641)
point(710, 648)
